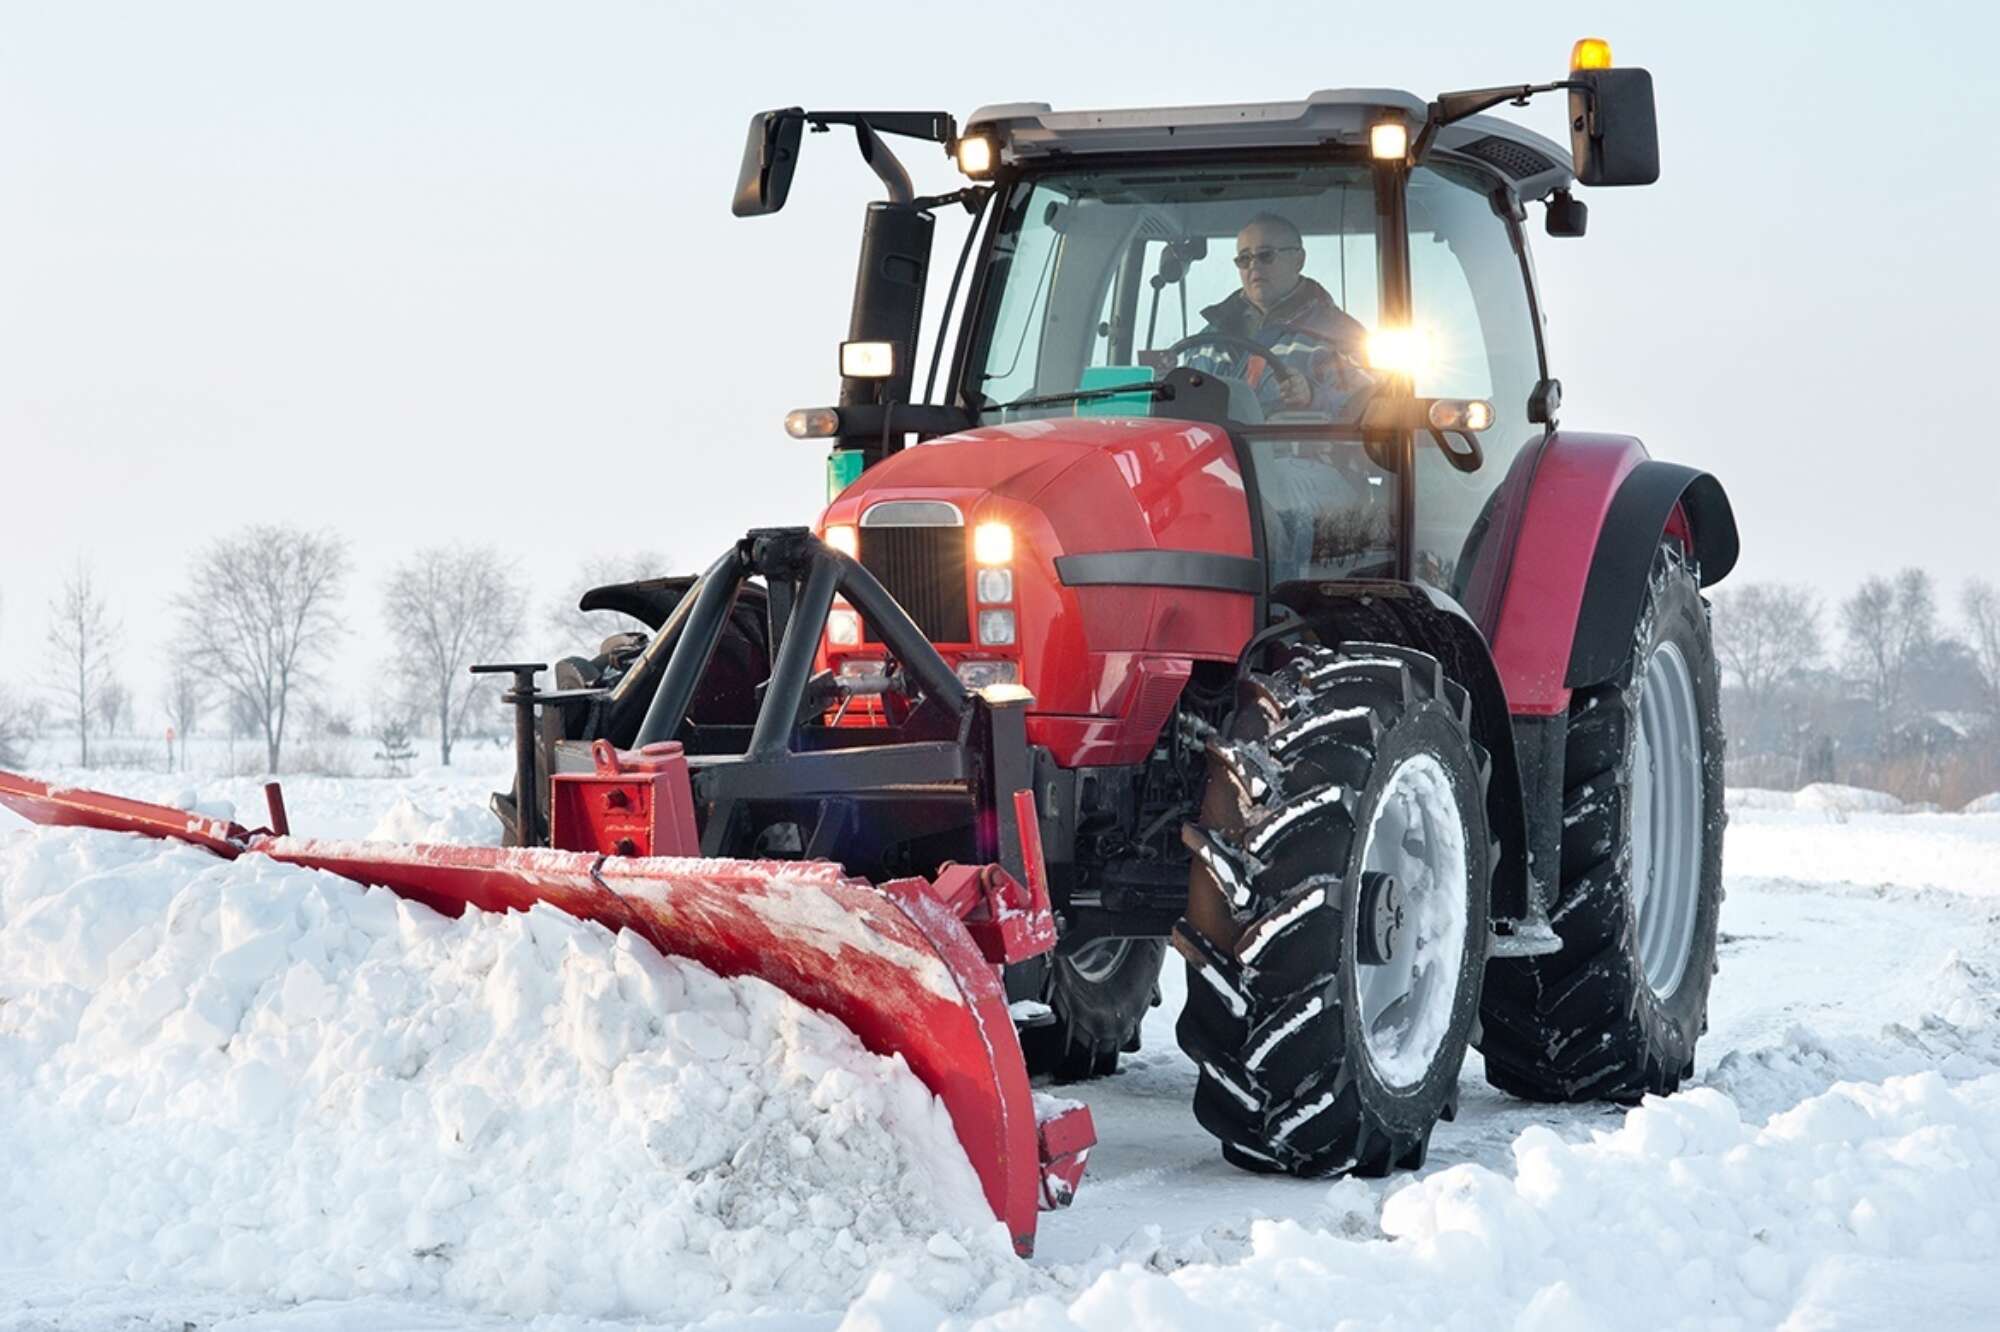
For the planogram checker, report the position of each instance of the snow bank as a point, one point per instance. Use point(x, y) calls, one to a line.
point(1757, 797)
point(1818, 797)
point(1957, 854)
point(1683, 1216)
point(1986, 804)
point(461, 824)
point(254, 1078)
point(1833, 798)
point(445, 804)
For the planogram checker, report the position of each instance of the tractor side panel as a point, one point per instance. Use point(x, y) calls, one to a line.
point(1575, 484)
point(1147, 600)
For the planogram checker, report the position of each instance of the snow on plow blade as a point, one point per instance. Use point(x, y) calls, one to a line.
point(911, 966)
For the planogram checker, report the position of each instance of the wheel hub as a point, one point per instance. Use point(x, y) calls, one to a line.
point(1380, 927)
point(1410, 920)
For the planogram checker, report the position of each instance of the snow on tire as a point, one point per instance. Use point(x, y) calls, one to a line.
point(1337, 913)
point(1616, 1013)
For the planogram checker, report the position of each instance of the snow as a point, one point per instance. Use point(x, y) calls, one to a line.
point(250, 1078)
point(252, 1096)
point(1986, 804)
point(1837, 799)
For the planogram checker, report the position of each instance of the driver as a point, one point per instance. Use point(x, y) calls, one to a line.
point(1281, 308)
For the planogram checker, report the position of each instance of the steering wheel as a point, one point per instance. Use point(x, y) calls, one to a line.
point(1258, 351)
point(1234, 342)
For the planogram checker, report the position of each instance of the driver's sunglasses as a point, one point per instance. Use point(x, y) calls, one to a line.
point(1264, 254)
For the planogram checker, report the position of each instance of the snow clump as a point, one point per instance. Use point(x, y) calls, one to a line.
point(254, 1078)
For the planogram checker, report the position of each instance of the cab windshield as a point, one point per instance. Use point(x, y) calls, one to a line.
point(1264, 275)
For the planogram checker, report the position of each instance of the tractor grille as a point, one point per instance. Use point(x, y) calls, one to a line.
point(923, 568)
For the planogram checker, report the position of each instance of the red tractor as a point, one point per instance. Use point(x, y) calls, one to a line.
point(1390, 704)
point(1230, 585)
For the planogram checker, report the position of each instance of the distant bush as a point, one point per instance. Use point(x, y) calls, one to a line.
point(320, 759)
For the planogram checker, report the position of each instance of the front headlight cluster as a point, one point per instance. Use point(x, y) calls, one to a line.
point(993, 552)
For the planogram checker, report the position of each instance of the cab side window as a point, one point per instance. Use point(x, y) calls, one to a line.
point(1470, 298)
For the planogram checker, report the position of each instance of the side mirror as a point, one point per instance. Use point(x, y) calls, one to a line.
point(1568, 215)
point(1613, 133)
point(770, 156)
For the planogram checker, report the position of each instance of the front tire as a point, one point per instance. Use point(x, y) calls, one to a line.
point(1099, 993)
point(1337, 913)
point(1615, 1014)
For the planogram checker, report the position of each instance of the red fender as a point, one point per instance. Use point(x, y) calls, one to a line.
point(1574, 484)
point(1596, 510)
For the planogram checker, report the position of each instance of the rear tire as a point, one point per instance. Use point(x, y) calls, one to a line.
point(1327, 1017)
point(1615, 1014)
point(1100, 992)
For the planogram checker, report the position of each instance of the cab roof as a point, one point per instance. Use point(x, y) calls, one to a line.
point(1032, 132)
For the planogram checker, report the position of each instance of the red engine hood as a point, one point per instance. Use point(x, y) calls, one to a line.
point(1100, 483)
point(1105, 661)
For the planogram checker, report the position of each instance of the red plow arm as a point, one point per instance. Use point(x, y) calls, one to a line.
point(909, 967)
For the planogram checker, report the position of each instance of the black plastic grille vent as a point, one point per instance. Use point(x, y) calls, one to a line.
point(923, 568)
point(1510, 157)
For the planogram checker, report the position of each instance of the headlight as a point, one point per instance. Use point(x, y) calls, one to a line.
point(868, 360)
point(981, 674)
point(975, 155)
point(996, 586)
point(843, 628)
point(996, 628)
point(844, 538)
point(1400, 351)
point(993, 543)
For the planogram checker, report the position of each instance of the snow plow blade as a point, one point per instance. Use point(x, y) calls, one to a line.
point(910, 967)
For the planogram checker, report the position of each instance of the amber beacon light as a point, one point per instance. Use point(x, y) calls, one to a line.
point(1590, 53)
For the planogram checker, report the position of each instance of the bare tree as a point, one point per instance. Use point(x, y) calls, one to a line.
point(258, 618)
point(577, 628)
point(81, 635)
point(1765, 634)
point(186, 699)
point(449, 608)
point(1981, 604)
point(1887, 625)
point(114, 706)
point(16, 730)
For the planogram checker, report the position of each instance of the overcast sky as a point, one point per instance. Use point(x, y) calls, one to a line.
point(424, 272)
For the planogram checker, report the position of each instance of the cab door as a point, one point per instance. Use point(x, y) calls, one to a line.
point(1469, 295)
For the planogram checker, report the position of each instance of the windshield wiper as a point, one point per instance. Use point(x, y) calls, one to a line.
point(1153, 388)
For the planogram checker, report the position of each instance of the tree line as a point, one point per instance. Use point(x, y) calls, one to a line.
point(259, 618)
point(1886, 691)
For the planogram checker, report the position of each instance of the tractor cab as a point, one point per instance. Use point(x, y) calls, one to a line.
point(1342, 284)
point(1360, 367)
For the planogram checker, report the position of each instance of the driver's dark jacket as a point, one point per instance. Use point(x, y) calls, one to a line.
point(1307, 306)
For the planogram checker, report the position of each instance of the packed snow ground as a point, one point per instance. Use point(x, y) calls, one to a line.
point(257, 1097)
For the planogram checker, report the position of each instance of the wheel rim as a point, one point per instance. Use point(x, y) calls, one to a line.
point(1417, 835)
point(1094, 962)
point(1666, 820)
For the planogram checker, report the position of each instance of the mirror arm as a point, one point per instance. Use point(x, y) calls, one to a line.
point(1452, 107)
point(888, 168)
